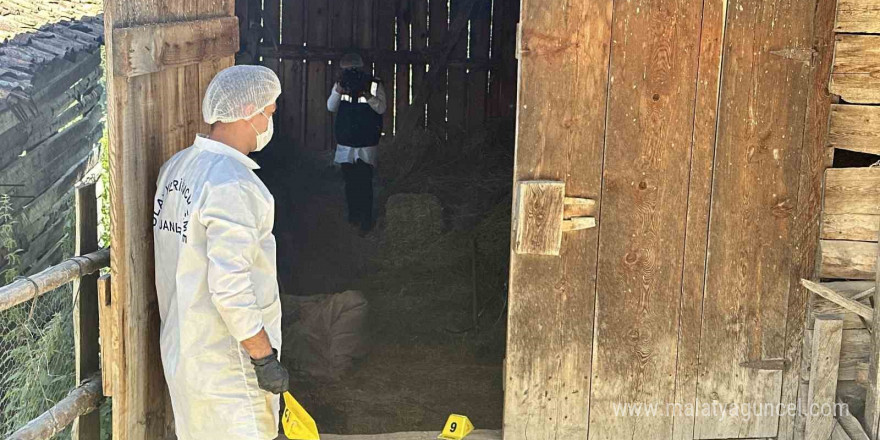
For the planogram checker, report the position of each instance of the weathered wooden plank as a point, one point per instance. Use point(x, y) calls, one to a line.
point(293, 99)
point(149, 49)
point(271, 17)
point(502, 94)
point(402, 70)
point(551, 309)
point(478, 80)
point(852, 260)
point(829, 294)
point(856, 74)
point(851, 426)
point(697, 224)
point(654, 72)
point(456, 86)
point(855, 352)
point(317, 117)
point(855, 128)
point(849, 289)
point(538, 217)
point(384, 27)
point(110, 339)
point(856, 227)
point(419, 12)
point(825, 364)
point(85, 308)
point(872, 401)
point(756, 187)
point(852, 191)
point(478, 434)
point(814, 160)
point(136, 108)
point(837, 432)
point(858, 16)
point(437, 30)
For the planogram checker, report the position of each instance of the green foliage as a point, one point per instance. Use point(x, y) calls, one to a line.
point(37, 357)
point(8, 244)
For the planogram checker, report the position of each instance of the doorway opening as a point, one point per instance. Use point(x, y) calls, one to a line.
point(404, 324)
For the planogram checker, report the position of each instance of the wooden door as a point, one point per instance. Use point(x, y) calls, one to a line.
point(161, 55)
point(684, 122)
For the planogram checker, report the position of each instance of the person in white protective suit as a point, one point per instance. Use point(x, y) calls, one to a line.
point(215, 269)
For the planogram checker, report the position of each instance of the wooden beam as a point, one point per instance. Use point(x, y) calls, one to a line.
point(838, 433)
point(851, 425)
point(858, 16)
point(853, 260)
point(479, 434)
point(852, 191)
point(81, 400)
point(856, 74)
point(829, 294)
point(823, 377)
point(855, 227)
point(85, 308)
point(855, 128)
point(854, 290)
point(872, 401)
point(148, 49)
point(27, 288)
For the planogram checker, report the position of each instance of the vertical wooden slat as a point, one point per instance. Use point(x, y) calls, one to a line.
point(456, 106)
point(109, 330)
point(317, 117)
point(809, 196)
point(402, 81)
point(272, 31)
point(872, 401)
point(653, 77)
point(477, 79)
point(363, 24)
point(824, 366)
point(292, 74)
point(384, 26)
point(505, 17)
point(419, 13)
point(85, 308)
point(755, 188)
point(437, 28)
point(550, 321)
point(697, 223)
point(138, 110)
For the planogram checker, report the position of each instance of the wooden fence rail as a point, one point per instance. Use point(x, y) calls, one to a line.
point(78, 408)
point(27, 288)
point(82, 400)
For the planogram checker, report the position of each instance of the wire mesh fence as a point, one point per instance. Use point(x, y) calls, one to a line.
point(37, 360)
point(37, 350)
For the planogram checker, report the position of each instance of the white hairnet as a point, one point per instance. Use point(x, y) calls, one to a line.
point(235, 88)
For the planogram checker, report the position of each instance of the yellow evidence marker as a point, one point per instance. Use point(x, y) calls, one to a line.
point(297, 423)
point(457, 427)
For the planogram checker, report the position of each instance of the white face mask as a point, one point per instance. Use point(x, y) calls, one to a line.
point(266, 136)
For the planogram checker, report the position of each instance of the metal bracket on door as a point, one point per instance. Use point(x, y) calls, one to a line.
point(542, 213)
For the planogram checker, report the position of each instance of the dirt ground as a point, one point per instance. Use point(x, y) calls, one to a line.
point(424, 363)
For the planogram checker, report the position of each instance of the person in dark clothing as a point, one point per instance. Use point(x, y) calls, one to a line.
point(358, 99)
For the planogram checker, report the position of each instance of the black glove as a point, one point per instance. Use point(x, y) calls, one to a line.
point(271, 375)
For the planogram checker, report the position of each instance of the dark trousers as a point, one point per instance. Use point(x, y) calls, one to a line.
point(359, 193)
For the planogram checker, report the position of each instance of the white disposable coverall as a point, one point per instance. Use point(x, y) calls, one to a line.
point(216, 282)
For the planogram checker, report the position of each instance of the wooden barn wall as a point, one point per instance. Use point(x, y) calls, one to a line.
point(697, 128)
point(48, 142)
point(402, 40)
point(850, 217)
